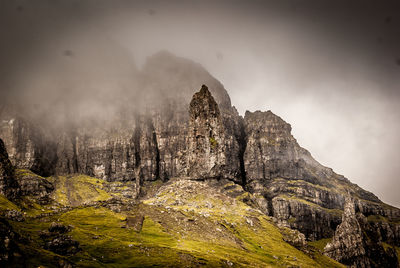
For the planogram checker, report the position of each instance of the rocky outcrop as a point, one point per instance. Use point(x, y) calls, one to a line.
point(293, 237)
point(312, 220)
point(166, 130)
point(299, 192)
point(272, 152)
point(357, 245)
point(145, 138)
point(211, 146)
point(34, 186)
point(14, 215)
point(28, 146)
point(57, 241)
point(8, 185)
point(348, 244)
point(9, 250)
point(169, 85)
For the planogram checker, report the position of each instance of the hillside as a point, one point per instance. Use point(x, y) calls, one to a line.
point(180, 180)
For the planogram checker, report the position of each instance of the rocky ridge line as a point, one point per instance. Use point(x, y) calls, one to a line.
point(178, 137)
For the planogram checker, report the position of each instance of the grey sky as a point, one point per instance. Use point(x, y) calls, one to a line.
point(329, 68)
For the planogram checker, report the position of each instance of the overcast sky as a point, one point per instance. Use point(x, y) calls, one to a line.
point(329, 68)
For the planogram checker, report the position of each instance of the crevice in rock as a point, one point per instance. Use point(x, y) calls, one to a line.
point(74, 149)
point(136, 142)
point(110, 160)
point(45, 158)
point(154, 137)
point(269, 205)
point(242, 140)
point(136, 148)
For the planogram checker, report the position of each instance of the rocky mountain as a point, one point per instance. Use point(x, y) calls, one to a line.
point(356, 243)
point(189, 155)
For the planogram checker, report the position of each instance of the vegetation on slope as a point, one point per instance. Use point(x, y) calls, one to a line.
point(181, 223)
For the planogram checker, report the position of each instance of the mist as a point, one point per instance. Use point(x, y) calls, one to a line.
point(331, 70)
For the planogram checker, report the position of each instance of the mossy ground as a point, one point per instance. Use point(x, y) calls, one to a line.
point(78, 190)
point(20, 172)
point(186, 224)
point(6, 204)
point(320, 244)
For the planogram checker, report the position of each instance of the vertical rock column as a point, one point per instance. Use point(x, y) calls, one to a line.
point(356, 244)
point(209, 143)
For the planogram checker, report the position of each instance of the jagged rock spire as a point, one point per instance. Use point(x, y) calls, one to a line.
point(357, 244)
point(211, 142)
point(205, 136)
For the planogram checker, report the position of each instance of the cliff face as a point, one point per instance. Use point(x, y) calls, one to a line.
point(171, 131)
point(8, 184)
point(357, 244)
point(300, 193)
point(213, 149)
point(146, 138)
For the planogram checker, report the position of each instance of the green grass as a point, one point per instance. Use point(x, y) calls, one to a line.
point(114, 246)
point(320, 244)
point(78, 190)
point(106, 243)
point(19, 172)
point(237, 240)
point(186, 224)
point(377, 218)
point(6, 204)
point(213, 142)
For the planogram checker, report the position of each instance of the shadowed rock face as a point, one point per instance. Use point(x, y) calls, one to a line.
point(8, 185)
point(145, 140)
point(356, 244)
point(294, 188)
point(272, 151)
point(34, 186)
point(170, 131)
point(210, 144)
point(9, 250)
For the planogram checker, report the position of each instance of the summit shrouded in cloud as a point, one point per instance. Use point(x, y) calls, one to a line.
point(199, 133)
point(331, 69)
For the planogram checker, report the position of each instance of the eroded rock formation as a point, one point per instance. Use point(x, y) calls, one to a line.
point(168, 130)
point(356, 244)
point(213, 149)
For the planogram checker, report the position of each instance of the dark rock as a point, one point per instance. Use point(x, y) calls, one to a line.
point(211, 145)
point(59, 228)
point(8, 185)
point(357, 245)
point(291, 186)
point(14, 215)
point(63, 245)
point(34, 186)
point(135, 222)
point(147, 141)
point(163, 131)
point(8, 245)
point(294, 237)
point(28, 146)
point(314, 221)
point(57, 241)
point(65, 264)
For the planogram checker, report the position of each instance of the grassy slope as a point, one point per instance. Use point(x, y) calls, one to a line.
point(185, 224)
point(79, 190)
